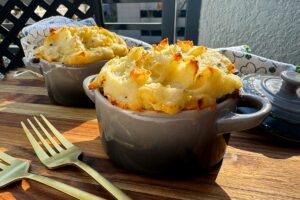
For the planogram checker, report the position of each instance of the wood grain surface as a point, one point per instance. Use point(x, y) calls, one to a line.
point(255, 166)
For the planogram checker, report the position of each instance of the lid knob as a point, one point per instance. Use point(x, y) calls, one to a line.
point(291, 81)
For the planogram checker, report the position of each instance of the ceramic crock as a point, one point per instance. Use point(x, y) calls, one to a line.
point(158, 143)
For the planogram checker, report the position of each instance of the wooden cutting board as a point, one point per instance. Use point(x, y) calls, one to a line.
point(255, 165)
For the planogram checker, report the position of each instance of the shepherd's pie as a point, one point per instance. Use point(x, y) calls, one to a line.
point(167, 78)
point(81, 45)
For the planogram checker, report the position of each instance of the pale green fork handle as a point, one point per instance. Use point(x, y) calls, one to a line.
point(116, 192)
point(72, 191)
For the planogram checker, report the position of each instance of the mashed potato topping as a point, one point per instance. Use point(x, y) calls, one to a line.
point(167, 78)
point(81, 45)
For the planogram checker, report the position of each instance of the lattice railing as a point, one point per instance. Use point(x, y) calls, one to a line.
point(16, 14)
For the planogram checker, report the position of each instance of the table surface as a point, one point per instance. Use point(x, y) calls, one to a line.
point(255, 165)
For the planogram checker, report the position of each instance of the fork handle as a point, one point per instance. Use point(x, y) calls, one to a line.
point(72, 191)
point(106, 184)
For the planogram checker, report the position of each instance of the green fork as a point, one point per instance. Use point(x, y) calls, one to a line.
point(63, 154)
point(13, 169)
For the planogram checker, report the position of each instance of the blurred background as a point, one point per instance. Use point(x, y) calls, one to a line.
point(270, 28)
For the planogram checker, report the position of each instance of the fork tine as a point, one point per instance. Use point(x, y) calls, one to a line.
point(58, 135)
point(37, 148)
point(48, 135)
point(6, 158)
point(44, 142)
point(2, 166)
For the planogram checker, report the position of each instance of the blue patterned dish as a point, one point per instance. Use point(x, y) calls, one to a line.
point(284, 94)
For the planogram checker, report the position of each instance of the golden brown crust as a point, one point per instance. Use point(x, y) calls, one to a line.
point(177, 57)
point(81, 45)
point(193, 64)
point(231, 68)
point(161, 45)
point(185, 45)
point(167, 78)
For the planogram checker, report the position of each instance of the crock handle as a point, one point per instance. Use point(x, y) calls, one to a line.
point(88, 92)
point(239, 122)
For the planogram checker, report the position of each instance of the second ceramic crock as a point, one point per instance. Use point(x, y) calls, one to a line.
point(64, 82)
